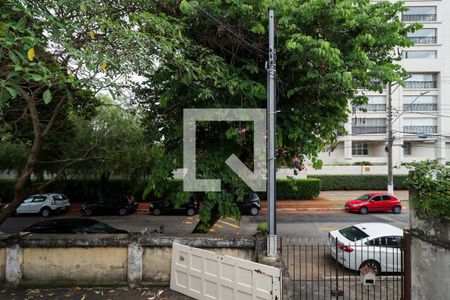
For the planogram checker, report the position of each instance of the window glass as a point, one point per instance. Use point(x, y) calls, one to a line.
point(417, 99)
point(424, 32)
point(377, 198)
point(364, 197)
point(360, 149)
point(39, 199)
point(353, 233)
point(407, 148)
point(386, 197)
point(420, 54)
point(420, 10)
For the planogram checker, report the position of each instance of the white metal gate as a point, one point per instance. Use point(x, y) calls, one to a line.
point(204, 274)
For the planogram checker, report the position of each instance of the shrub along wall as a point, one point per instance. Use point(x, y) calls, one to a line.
point(89, 190)
point(359, 182)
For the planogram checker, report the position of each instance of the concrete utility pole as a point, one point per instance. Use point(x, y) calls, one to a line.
point(390, 183)
point(271, 129)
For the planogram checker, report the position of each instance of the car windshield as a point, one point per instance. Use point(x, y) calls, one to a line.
point(353, 233)
point(364, 197)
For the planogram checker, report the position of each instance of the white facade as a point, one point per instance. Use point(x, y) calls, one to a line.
point(421, 109)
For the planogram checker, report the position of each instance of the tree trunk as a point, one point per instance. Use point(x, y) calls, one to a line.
point(25, 175)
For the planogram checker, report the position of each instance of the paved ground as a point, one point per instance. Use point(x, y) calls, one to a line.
point(121, 293)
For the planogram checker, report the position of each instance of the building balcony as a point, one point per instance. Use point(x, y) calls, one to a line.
point(419, 18)
point(421, 84)
point(369, 129)
point(420, 129)
point(420, 107)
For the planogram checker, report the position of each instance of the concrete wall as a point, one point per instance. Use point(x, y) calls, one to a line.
point(69, 260)
point(430, 257)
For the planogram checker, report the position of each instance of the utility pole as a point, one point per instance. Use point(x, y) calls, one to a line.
point(390, 183)
point(271, 129)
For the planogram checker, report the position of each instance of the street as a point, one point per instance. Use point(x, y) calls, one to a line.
point(308, 225)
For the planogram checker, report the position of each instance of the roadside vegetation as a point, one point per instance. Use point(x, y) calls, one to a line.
point(156, 58)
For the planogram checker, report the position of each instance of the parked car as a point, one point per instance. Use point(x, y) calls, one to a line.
point(374, 202)
point(377, 245)
point(251, 204)
point(165, 207)
point(72, 225)
point(44, 204)
point(121, 205)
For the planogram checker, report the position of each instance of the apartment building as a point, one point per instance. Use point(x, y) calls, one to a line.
point(421, 109)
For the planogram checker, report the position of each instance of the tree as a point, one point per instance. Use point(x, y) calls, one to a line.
point(55, 52)
point(326, 51)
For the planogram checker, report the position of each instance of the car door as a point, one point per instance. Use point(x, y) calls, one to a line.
point(36, 205)
point(376, 203)
point(25, 207)
point(387, 202)
point(393, 254)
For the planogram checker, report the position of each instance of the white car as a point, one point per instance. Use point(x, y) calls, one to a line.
point(44, 204)
point(377, 245)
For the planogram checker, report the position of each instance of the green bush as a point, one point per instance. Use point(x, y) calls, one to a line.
point(296, 189)
point(359, 182)
point(362, 163)
point(263, 228)
point(80, 190)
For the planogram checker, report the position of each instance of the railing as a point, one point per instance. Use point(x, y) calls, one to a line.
point(368, 129)
point(420, 107)
point(420, 129)
point(333, 270)
point(371, 107)
point(415, 18)
point(421, 84)
point(420, 40)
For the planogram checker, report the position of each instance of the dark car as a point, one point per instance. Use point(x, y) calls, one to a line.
point(72, 225)
point(120, 205)
point(165, 207)
point(251, 204)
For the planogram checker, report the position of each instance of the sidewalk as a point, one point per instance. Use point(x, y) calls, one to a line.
point(327, 201)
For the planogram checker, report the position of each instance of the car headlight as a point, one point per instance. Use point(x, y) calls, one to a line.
point(354, 205)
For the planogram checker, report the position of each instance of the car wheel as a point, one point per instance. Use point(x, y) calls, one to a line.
point(373, 264)
point(396, 209)
point(363, 210)
point(45, 212)
point(87, 212)
point(254, 211)
point(191, 212)
point(156, 211)
point(122, 212)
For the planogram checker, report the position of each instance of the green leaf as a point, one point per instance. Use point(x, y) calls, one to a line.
point(12, 92)
point(4, 96)
point(47, 96)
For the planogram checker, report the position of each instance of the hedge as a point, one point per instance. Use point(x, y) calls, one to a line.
point(359, 182)
point(296, 189)
point(88, 190)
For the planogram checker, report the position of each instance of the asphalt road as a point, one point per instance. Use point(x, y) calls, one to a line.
point(305, 225)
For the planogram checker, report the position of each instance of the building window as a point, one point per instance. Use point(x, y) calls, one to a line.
point(407, 148)
point(419, 13)
point(419, 103)
point(421, 81)
point(413, 54)
point(374, 103)
point(420, 125)
point(423, 36)
point(360, 149)
point(368, 126)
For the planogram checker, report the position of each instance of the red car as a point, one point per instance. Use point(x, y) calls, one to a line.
point(374, 202)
